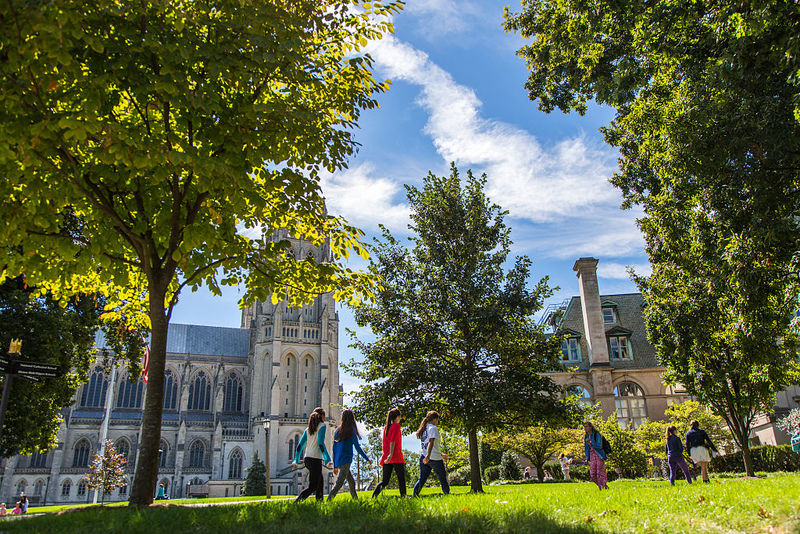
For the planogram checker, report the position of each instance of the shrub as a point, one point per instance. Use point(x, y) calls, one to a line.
point(509, 466)
point(769, 458)
point(459, 477)
point(492, 473)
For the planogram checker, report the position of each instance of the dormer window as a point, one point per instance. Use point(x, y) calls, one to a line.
point(609, 316)
point(571, 347)
point(620, 347)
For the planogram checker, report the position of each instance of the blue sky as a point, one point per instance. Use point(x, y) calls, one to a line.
point(458, 95)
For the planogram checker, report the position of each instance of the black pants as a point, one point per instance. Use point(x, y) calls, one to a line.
point(400, 469)
point(315, 483)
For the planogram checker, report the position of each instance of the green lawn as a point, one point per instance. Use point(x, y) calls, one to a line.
point(769, 504)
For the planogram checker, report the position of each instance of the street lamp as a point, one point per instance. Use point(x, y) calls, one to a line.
point(265, 421)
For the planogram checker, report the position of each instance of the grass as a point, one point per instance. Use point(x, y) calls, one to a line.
point(768, 504)
point(61, 507)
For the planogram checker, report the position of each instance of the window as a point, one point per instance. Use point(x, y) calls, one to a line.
point(83, 450)
point(38, 460)
point(66, 488)
point(123, 489)
point(609, 316)
point(233, 394)
point(82, 488)
point(581, 393)
point(170, 390)
point(235, 465)
point(200, 393)
point(630, 403)
point(21, 485)
point(123, 448)
point(620, 348)
point(94, 393)
point(130, 394)
point(197, 453)
point(163, 453)
point(291, 449)
point(38, 486)
point(571, 350)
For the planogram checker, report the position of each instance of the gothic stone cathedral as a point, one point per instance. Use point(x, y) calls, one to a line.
point(220, 383)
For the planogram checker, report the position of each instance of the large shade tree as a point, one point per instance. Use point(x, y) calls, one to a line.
point(455, 330)
point(708, 128)
point(180, 136)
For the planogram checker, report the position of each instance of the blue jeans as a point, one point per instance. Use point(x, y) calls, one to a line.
point(424, 472)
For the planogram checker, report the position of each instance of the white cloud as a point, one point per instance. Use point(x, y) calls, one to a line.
point(619, 271)
point(437, 18)
point(566, 180)
point(365, 199)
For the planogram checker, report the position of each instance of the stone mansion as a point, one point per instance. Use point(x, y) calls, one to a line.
point(220, 384)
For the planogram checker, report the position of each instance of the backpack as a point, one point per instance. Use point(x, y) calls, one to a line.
point(606, 445)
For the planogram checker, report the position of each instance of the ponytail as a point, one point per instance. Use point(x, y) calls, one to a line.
point(393, 413)
point(425, 420)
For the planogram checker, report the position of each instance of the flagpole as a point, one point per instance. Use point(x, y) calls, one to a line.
point(106, 419)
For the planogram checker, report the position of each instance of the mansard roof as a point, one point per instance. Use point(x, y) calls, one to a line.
point(630, 322)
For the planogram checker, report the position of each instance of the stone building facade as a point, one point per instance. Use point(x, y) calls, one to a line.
point(220, 385)
point(608, 359)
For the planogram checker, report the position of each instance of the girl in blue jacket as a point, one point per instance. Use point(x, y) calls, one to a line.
point(344, 439)
point(313, 442)
point(593, 446)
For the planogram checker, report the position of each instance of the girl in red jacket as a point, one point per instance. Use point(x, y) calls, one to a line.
point(392, 457)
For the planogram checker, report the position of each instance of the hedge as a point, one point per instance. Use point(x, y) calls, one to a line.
point(768, 458)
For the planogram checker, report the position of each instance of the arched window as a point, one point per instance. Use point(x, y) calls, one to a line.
point(163, 453)
point(130, 393)
point(38, 486)
point(94, 393)
point(197, 454)
point(66, 488)
point(235, 464)
point(38, 460)
point(170, 390)
point(82, 487)
point(200, 393)
point(631, 405)
point(21, 485)
point(83, 450)
point(581, 393)
point(233, 393)
point(291, 449)
point(123, 447)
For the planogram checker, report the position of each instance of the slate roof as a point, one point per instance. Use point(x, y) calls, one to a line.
point(630, 308)
point(201, 340)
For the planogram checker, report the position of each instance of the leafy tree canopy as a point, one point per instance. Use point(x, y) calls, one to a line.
point(708, 127)
point(455, 331)
point(173, 139)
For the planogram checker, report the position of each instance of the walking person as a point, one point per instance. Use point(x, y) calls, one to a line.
point(795, 442)
point(674, 449)
point(596, 456)
point(431, 457)
point(392, 458)
point(699, 447)
point(313, 442)
point(344, 439)
point(565, 463)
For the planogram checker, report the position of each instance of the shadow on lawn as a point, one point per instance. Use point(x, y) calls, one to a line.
point(382, 515)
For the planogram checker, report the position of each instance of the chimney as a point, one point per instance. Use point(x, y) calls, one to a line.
point(593, 325)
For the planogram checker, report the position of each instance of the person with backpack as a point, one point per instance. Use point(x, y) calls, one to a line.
point(597, 449)
point(313, 443)
point(344, 439)
point(431, 457)
point(392, 458)
point(674, 450)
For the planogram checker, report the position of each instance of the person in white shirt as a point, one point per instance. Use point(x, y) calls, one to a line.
point(431, 458)
point(565, 463)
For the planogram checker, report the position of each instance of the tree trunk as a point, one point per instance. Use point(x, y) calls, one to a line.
point(747, 456)
point(540, 472)
point(146, 477)
point(476, 481)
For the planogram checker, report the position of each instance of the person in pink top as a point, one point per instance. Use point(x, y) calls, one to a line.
point(17, 509)
point(392, 458)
